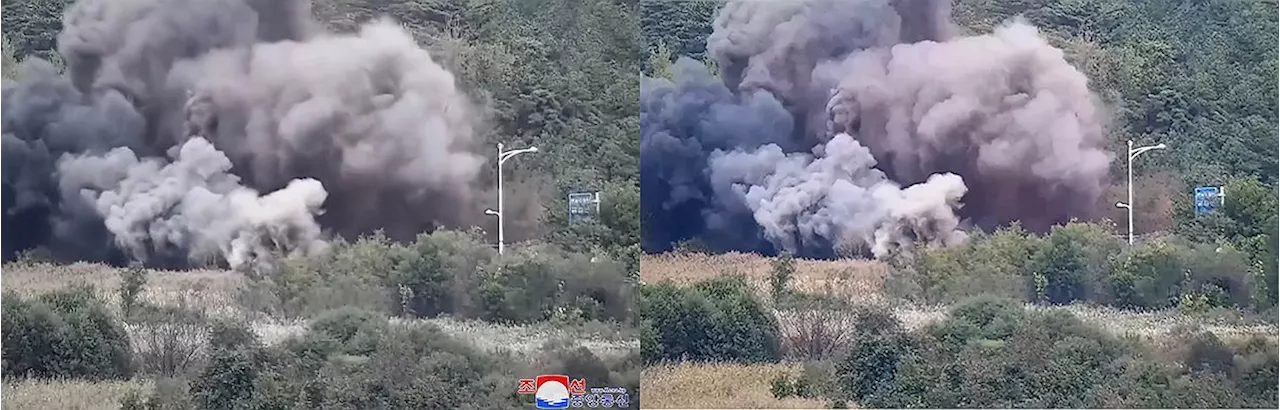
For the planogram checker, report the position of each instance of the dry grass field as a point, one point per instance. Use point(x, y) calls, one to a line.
point(852, 278)
point(213, 288)
point(718, 386)
point(68, 395)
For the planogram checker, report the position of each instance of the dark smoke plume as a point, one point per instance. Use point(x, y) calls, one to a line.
point(864, 126)
point(193, 131)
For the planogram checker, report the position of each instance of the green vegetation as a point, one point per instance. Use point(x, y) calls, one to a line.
point(65, 334)
point(449, 273)
point(719, 319)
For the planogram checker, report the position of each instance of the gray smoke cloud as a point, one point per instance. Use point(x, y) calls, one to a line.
point(153, 206)
point(1005, 110)
point(371, 115)
point(836, 197)
point(898, 133)
point(278, 133)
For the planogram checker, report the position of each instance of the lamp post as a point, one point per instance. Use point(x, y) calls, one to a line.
point(1133, 153)
point(503, 157)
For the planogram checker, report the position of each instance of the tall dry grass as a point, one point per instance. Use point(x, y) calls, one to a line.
point(216, 289)
point(718, 386)
point(68, 394)
point(855, 279)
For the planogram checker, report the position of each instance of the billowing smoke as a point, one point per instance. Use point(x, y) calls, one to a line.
point(194, 131)
point(864, 127)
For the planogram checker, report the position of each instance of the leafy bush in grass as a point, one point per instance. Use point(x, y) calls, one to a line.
point(716, 320)
point(65, 334)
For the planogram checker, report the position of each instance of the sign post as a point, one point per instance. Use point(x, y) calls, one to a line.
point(1208, 199)
point(583, 206)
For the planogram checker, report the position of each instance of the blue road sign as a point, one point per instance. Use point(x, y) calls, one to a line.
point(1208, 199)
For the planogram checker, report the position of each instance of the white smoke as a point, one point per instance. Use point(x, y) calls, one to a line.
point(152, 206)
point(837, 197)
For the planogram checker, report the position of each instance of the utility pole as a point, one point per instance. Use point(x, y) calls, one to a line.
point(1133, 153)
point(503, 157)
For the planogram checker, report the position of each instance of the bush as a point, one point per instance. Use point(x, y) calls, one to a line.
point(996, 263)
point(65, 334)
point(169, 341)
point(815, 333)
point(449, 272)
point(132, 282)
point(784, 267)
point(715, 320)
point(440, 271)
point(235, 360)
point(878, 345)
point(1075, 261)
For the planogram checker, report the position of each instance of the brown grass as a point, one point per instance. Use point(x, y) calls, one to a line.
point(718, 386)
point(857, 279)
point(212, 288)
point(68, 394)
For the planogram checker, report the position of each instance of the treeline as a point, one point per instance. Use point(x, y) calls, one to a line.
point(987, 353)
point(450, 273)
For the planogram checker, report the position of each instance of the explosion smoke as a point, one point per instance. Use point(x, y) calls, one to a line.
point(852, 126)
point(343, 133)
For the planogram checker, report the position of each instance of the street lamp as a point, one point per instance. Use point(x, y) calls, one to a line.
point(1133, 153)
point(503, 157)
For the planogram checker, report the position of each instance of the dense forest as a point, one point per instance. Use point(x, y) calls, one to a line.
point(561, 75)
point(1198, 76)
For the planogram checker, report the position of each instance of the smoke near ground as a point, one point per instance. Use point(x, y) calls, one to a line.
point(864, 127)
point(219, 131)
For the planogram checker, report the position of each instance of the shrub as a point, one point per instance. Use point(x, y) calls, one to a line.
point(996, 263)
point(439, 271)
point(719, 319)
point(869, 365)
point(449, 272)
point(169, 340)
point(235, 360)
point(538, 284)
point(1074, 261)
point(65, 334)
point(815, 333)
point(132, 282)
point(1205, 352)
point(784, 267)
